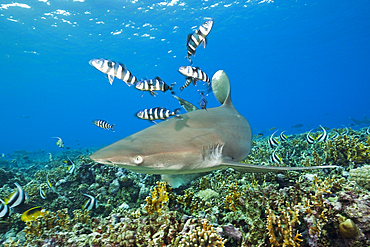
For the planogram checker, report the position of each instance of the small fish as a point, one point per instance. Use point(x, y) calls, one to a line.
point(60, 142)
point(273, 128)
point(203, 101)
point(193, 74)
point(273, 142)
point(345, 132)
point(16, 198)
point(323, 136)
point(49, 184)
point(156, 113)
point(103, 124)
point(335, 135)
point(42, 193)
point(282, 136)
point(113, 69)
point(321, 127)
point(91, 203)
point(297, 126)
point(275, 158)
point(309, 138)
point(2, 155)
point(50, 157)
point(368, 130)
point(199, 36)
point(32, 214)
point(258, 135)
point(4, 210)
point(72, 168)
point(153, 85)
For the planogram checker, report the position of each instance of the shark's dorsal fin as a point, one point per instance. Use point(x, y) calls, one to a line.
point(221, 87)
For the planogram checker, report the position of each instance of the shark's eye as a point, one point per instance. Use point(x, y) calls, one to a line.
point(138, 159)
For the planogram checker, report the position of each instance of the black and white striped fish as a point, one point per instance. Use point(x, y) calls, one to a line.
point(113, 69)
point(309, 138)
point(193, 74)
point(16, 198)
point(323, 137)
point(199, 36)
point(91, 203)
point(282, 136)
point(4, 210)
point(103, 124)
point(156, 113)
point(42, 193)
point(152, 85)
point(275, 158)
point(273, 142)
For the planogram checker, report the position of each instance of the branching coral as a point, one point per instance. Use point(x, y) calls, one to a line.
point(344, 150)
point(159, 197)
point(200, 235)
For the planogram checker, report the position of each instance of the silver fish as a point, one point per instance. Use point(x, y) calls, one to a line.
point(198, 37)
point(113, 69)
point(201, 142)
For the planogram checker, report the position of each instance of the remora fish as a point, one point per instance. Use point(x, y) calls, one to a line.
point(201, 142)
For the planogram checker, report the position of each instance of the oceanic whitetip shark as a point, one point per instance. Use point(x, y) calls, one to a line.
point(200, 141)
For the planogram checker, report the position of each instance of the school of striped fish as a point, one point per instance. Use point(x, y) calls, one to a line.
point(113, 69)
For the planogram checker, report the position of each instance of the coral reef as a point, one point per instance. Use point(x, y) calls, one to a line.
point(222, 208)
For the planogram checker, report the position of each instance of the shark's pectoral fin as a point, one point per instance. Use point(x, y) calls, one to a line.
point(256, 168)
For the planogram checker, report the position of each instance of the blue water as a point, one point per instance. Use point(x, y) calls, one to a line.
point(289, 62)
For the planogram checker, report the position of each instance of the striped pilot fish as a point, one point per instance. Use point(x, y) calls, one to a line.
point(156, 113)
point(103, 124)
point(152, 85)
point(199, 36)
point(113, 69)
point(193, 74)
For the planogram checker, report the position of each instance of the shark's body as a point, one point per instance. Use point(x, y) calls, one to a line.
point(201, 141)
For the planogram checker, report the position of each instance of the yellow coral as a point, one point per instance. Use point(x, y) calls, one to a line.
point(158, 199)
point(232, 200)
